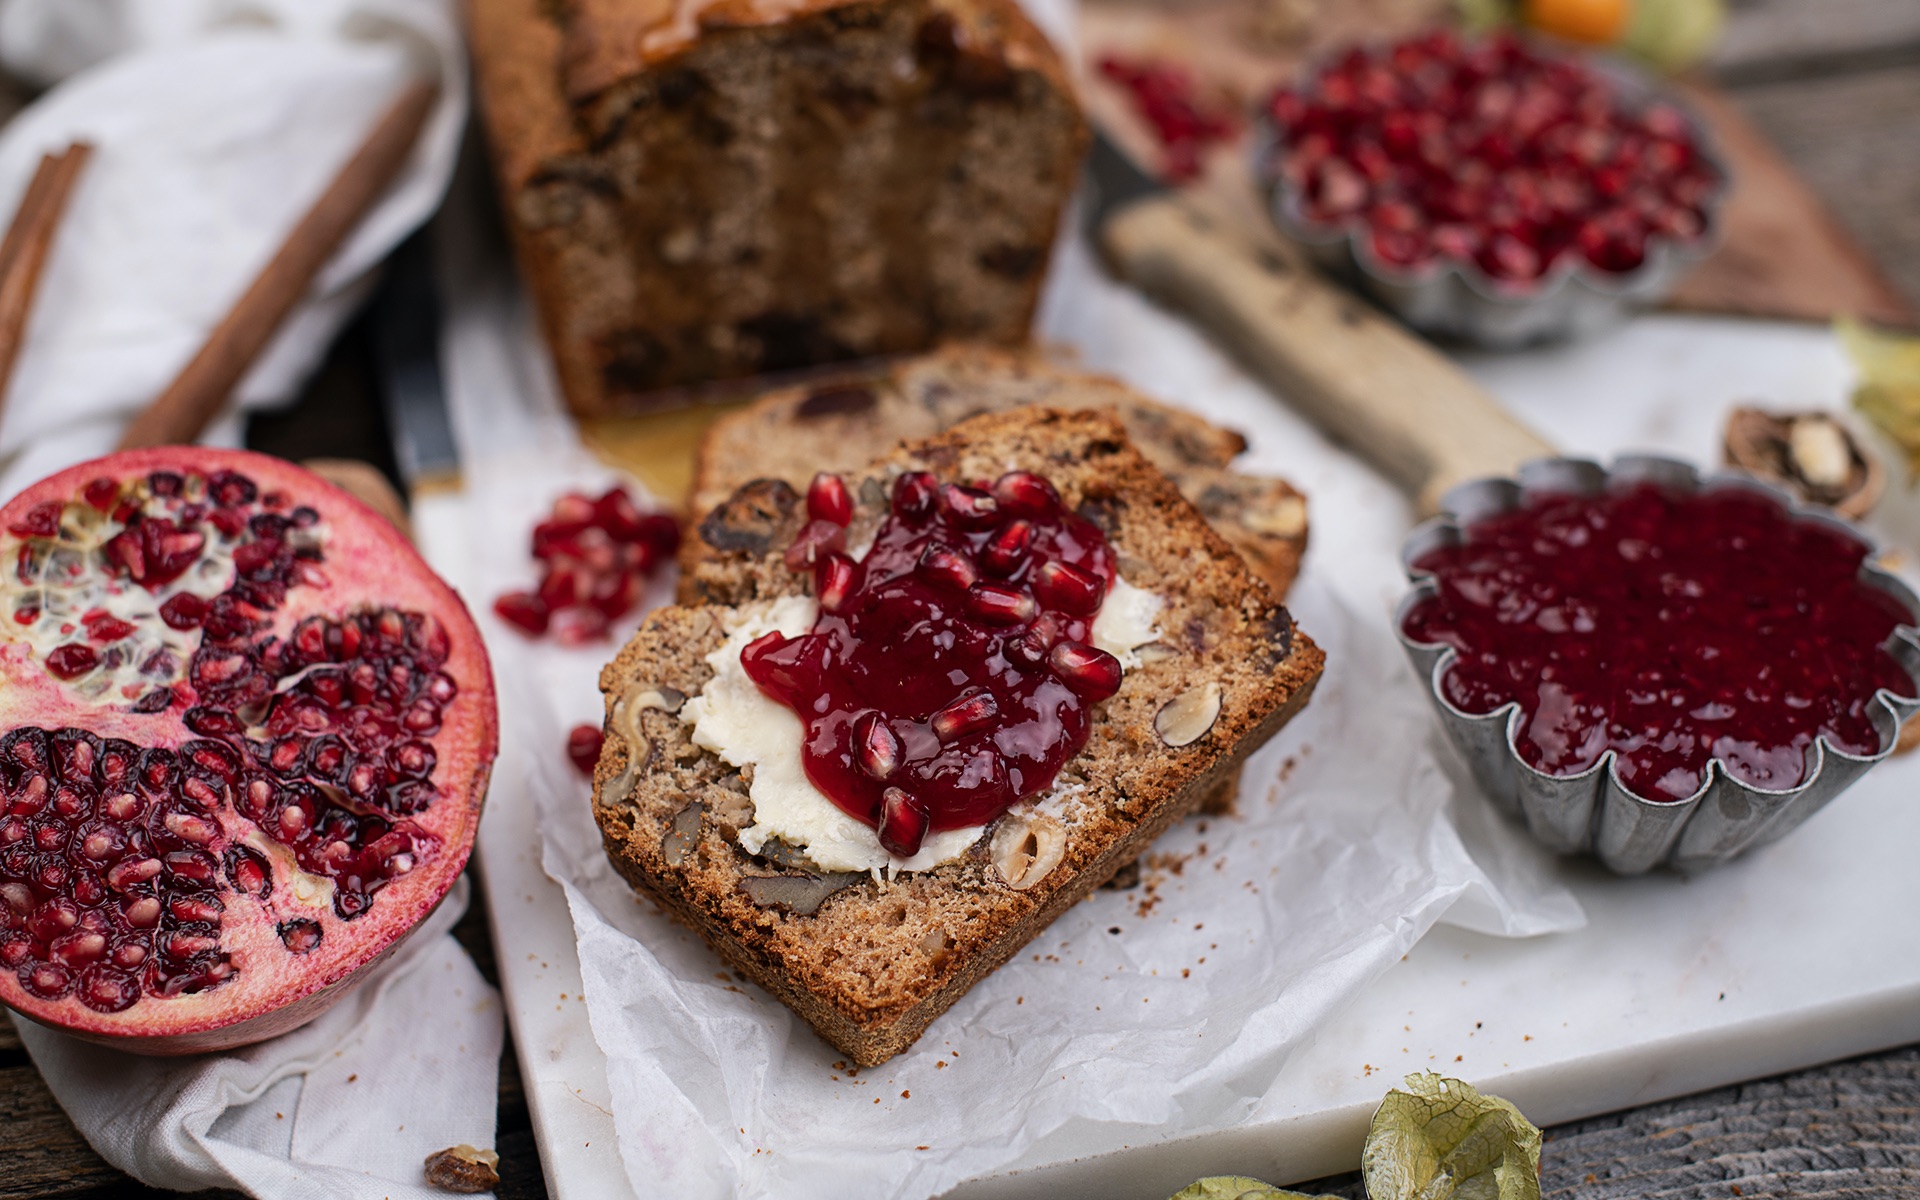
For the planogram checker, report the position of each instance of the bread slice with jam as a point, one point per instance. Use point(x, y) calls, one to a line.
point(854, 418)
point(870, 941)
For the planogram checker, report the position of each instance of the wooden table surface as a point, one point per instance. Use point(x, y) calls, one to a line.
point(1836, 83)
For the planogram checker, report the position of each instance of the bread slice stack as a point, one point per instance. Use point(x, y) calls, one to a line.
point(840, 424)
point(870, 957)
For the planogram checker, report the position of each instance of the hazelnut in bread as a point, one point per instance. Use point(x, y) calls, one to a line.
point(923, 717)
point(840, 423)
point(702, 190)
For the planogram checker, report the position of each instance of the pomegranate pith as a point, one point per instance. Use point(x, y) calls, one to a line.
point(246, 736)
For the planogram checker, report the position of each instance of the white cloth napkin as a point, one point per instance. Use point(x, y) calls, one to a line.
point(216, 124)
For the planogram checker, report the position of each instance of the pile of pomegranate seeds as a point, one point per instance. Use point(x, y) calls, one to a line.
point(950, 672)
point(1489, 153)
point(595, 557)
point(1163, 94)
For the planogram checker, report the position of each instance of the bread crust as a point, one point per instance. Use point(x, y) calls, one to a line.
point(840, 423)
point(879, 959)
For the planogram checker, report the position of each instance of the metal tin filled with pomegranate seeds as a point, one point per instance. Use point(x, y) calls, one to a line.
point(1488, 191)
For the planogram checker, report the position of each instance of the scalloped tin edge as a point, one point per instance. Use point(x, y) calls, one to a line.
point(1461, 300)
point(1593, 812)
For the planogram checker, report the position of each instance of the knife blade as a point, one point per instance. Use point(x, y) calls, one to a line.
point(1368, 382)
point(405, 320)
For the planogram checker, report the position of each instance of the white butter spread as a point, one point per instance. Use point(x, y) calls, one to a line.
point(743, 726)
point(1126, 621)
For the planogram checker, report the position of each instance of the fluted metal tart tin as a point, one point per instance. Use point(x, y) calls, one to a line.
point(1458, 300)
point(1593, 812)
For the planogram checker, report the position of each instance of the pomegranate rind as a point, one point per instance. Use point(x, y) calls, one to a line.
point(368, 567)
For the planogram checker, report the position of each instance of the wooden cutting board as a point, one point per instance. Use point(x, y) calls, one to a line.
point(1783, 254)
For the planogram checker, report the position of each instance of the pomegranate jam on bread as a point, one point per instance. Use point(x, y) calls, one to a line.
point(935, 702)
point(244, 736)
point(703, 190)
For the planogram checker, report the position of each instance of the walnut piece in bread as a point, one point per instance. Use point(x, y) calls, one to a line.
point(841, 423)
point(869, 959)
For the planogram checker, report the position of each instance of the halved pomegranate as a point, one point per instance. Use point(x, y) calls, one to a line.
point(244, 736)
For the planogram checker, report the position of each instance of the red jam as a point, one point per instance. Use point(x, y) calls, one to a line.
point(949, 673)
point(1673, 629)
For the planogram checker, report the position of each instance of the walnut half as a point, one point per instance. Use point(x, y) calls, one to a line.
point(1811, 454)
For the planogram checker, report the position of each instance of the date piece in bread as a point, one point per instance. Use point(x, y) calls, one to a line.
point(869, 960)
point(835, 426)
point(702, 190)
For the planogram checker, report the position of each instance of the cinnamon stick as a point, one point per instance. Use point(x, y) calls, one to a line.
point(196, 395)
point(24, 252)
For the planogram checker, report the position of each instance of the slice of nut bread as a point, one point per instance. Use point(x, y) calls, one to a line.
point(870, 960)
point(836, 426)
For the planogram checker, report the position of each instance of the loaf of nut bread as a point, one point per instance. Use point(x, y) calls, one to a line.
point(838, 424)
point(870, 958)
point(701, 190)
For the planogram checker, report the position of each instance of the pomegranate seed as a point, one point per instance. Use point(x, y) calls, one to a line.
point(829, 500)
point(583, 747)
point(969, 507)
point(301, 936)
point(1007, 550)
point(964, 716)
point(948, 569)
point(1092, 673)
point(553, 538)
point(903, 823)
point(835, 580)
point(617, 514)
point(40, 521)
point(80, 949)
point(816, 539)
point(523, 609)
point(997, 605)
point(915, 495)
point(573, 509)
point(107, 629)
point(616, 595)
point(195, 908)
point(101, 493)
point(565, 585)
point(578, 625)
point(186, 945)
point(48, 981)
point(248, 872)
point(1066, 588)
point(875, 747)
point(72, 660)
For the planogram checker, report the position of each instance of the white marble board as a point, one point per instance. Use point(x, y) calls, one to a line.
point(1801, 953)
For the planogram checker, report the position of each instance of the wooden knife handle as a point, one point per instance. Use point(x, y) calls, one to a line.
point(1395, 400)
